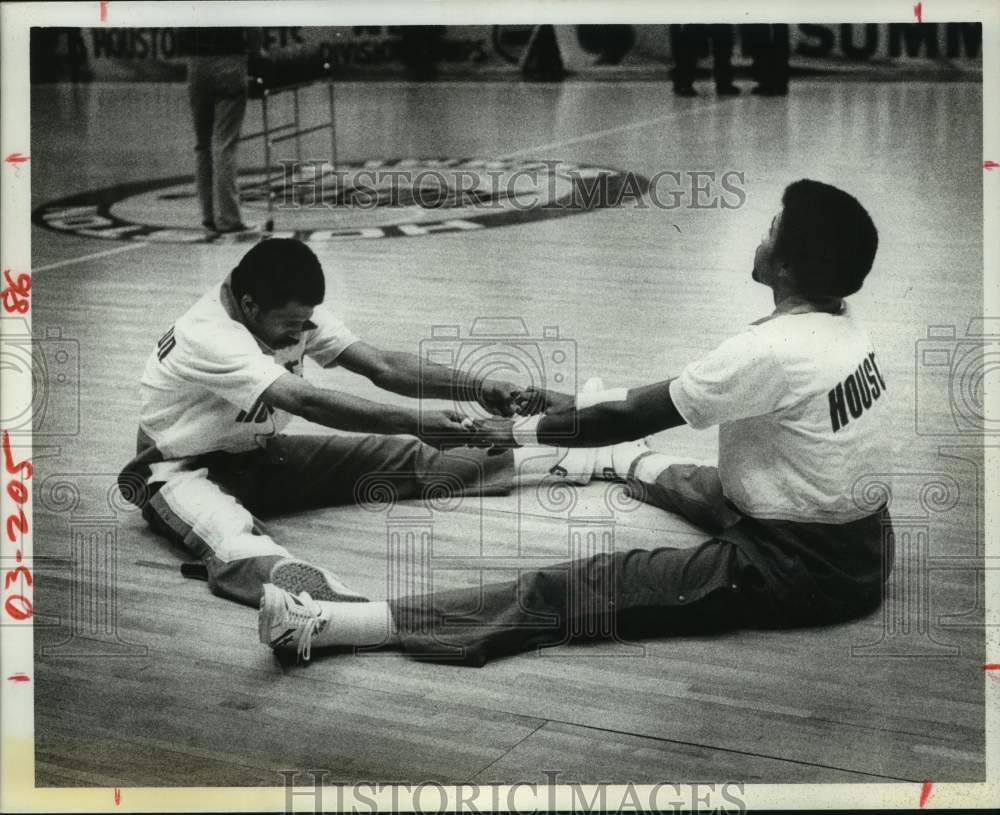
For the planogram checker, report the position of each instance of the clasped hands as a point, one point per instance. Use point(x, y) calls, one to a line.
point(448, 428)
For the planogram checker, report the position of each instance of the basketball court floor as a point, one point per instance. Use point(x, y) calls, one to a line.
point(171, 687)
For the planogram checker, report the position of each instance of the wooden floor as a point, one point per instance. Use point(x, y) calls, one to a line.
point(192, 699)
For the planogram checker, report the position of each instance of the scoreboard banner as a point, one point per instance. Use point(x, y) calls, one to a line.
point(429, 52)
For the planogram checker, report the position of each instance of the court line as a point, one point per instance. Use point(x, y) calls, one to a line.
point(611, 131)
point(585, 137)
point(94, 256)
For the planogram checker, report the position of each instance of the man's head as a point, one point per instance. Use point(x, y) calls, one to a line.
point(276, 285)
point(822, 243)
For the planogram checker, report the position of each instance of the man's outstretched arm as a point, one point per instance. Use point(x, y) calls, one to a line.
point(345, 412)
point(409, 375)
point(594, 420)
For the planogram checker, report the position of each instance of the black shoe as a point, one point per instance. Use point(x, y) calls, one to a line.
point(234, 229)
point(727, 90)
point(769, 90)
point(685, 92)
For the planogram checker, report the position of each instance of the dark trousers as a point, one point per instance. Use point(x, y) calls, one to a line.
point(217, 90)
point(687, 42)
point(216, 506)
point(768, 47)
point(751, 573)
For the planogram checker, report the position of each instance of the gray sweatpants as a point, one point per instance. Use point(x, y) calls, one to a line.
point(215, 506)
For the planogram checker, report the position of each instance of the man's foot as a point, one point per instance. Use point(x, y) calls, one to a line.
point(613, 463)
point(685, 92)
point(287, 621)
point(236, 229)
point(576, 466)
point(727, 90)
point(297, 576)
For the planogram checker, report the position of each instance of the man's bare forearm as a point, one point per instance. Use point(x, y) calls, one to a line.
point(343, 412)
point(644, 410)
point(409, 375)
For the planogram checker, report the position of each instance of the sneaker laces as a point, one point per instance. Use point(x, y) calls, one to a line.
point(310, 616)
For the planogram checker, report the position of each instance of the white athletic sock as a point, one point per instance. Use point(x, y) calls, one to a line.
point(356, 624)
point(649, 468)
point(574, 464)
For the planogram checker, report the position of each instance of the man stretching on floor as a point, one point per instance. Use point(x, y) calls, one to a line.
point(800, 402)
point(225, 380)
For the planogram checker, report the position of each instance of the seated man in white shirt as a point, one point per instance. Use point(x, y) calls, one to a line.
point(800, 402)
point(226, 379)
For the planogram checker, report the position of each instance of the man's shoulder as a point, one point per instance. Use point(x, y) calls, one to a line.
point(812, 330)
point(207, 327)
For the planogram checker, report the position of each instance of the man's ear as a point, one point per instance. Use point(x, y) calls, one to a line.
point(249, 308)
point(785, 274)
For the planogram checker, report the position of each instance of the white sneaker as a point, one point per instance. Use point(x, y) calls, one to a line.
point(576, 466)
point(287, 621)
point(613, 463)
point(297, 576)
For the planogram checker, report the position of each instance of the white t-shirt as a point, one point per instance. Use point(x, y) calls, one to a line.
point(201, 389)
point(801, 406)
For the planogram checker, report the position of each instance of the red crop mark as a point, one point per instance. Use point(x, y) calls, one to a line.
point(19, 677)
point(918, 12)
point(104, 11)
point(16, 293)
point(17, 158)
point(990, 165)
point(118, 792)
point(925, 791)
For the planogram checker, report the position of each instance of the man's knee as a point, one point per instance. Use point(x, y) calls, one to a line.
point(154, 521)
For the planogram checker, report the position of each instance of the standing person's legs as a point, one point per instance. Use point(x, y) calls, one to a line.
point(230, 108)
point(685, 54)
point(722, 58)
point(780, 56)
point(202, 102)
point(754, 38)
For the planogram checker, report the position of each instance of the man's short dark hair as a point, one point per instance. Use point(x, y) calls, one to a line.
point(277, 271)
point(826, 238)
